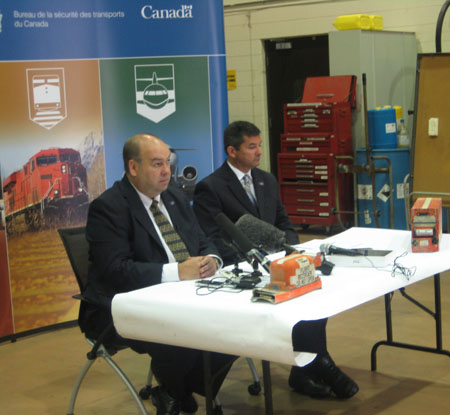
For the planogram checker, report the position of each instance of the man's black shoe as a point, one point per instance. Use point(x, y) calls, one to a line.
point(189, 405)
point(304, 384)
point(164, 403)
point(341, 384)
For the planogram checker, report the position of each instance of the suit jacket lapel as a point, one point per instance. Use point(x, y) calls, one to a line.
point(138, 210)
point(260, 191)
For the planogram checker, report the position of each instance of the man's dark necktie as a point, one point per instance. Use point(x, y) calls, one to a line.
point(170, 235)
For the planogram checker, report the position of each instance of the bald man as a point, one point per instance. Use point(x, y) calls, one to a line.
point(143, 232)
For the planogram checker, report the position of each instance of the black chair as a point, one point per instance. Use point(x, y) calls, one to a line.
point(76, 246)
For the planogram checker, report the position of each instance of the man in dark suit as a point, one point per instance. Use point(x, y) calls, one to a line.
point(236, 188)
point(224, 190)
point(142, 232)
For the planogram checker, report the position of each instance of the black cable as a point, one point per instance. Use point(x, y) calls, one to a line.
point(400, 269)
point(237, 284)
point(214, 288)
point(211, 285)
point(439, 25)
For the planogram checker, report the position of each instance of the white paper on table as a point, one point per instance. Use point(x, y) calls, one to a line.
point(172, 313)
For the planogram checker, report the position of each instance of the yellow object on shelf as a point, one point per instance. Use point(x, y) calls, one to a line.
point(352, 21)
point(376, 22)
point(358, 21)
point(398, 112)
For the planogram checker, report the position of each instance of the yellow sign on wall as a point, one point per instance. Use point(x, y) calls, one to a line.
point(231, 79)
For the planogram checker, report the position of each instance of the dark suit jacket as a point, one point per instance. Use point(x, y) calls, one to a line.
point(125, 251)
point(221, 191)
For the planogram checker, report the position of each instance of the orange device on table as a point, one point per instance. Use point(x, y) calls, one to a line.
point(290, 277)
point(426, 224)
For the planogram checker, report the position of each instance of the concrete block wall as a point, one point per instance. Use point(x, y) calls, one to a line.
point(248, 23)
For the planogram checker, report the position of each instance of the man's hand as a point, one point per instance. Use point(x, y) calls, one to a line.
point(197, 267)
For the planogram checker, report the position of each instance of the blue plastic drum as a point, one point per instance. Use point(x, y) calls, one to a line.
point(382, 128)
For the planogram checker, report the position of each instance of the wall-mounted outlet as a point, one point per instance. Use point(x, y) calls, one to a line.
point(433, 127)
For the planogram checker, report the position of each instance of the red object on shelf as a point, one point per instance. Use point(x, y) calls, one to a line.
point(330, 89)
point(317, 139)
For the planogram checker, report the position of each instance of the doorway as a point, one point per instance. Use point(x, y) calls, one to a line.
point(288, 63)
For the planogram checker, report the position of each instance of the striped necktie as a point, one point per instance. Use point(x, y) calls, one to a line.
point(248, 188)
point(170, 235)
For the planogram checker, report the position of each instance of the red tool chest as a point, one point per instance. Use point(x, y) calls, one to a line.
point(316, 140)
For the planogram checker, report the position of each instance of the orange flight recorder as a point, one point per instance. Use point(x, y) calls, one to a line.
point(290, 277)
point(426, 224)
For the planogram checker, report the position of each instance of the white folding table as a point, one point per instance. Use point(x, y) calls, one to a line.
point(229, 322)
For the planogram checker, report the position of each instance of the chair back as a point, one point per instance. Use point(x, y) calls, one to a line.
point(77, 249)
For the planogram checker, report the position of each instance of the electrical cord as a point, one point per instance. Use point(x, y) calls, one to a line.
point(234, 284)
point(402, 270)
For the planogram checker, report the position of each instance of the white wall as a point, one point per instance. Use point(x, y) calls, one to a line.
point(249, 22)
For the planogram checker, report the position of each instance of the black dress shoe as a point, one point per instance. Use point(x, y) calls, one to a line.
point(164, 403)
point(306, 385)
point(189, 404)
point(342, 385)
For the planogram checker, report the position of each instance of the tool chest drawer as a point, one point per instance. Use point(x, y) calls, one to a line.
point(308, 118)
point(307, 198)
point(313, 167)
point(307, 193)
point(314, 142)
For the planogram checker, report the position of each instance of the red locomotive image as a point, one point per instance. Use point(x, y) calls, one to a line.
point(50, 189)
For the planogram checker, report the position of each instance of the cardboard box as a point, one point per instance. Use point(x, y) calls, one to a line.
point(426, 224)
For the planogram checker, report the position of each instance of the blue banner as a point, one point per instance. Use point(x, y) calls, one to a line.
point(87, 29)
point(78, 78)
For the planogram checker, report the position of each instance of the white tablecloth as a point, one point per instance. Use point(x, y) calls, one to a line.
point(173, 313)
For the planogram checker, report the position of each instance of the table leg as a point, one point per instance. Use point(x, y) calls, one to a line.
point(438, 310)
point(388, 318)
point(437, 315)
point(208, 382)
point(267, 388)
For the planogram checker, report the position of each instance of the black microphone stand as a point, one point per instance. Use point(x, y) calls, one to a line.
point(255, 264)
point(239, 257)
point(256, 273)
point(236, 270)
point(246, 281)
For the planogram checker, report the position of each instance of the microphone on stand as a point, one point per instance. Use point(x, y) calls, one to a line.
point(263, 234)
point(334, 250)
point(242, 243)
point(272, 239)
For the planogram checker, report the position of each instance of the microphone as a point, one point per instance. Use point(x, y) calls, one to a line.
point(244, 245)
point(264, 234)
point(334, 250)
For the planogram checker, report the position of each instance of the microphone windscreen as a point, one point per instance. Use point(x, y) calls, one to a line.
point(261, 233)
point(243, 243)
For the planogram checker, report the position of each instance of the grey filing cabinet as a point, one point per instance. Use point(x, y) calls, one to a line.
point(389, 61)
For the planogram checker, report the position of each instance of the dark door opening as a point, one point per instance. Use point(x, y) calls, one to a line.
point(288, 63)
